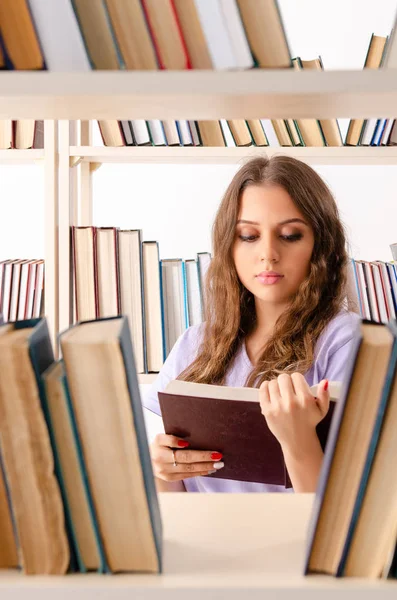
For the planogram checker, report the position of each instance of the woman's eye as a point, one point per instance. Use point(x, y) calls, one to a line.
point(248, 238)
point(292, 238)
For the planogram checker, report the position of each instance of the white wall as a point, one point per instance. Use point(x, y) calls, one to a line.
point(175, 204)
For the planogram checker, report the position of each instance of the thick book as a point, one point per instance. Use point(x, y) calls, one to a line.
point(25, 352)
point(105, 397)
point(16, 25)
point(8, 545)
point(349, 439)
point(229, 420)
point(72, 474)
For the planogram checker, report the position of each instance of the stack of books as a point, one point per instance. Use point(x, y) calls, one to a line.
point(115, 272)
point(22, 134)
point(373, 286)
point(21, 289)
point(77, 490)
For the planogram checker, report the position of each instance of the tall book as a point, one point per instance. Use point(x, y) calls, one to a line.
point(203, 262)
point(265, 32)
point(105, 396)
point(174, 295)
point(76, 493)
point(84, 272)
point(25, 353)
point(310, 129)
point(107, 258)
point(193, 291)
point(154, 320)
point(132, 34)
point(8, 546)
point(193, 34)
point(19, 37)
point(211, 133)
point(131, 291)
point(349, 439)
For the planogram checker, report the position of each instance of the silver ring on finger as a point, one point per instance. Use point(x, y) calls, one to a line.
point(174, 464)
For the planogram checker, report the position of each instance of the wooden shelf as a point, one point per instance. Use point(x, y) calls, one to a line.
point(205, 155)
point(21, 156)
point(209, 554)
point(198, 94)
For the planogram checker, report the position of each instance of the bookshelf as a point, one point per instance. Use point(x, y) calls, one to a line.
point(208, 554)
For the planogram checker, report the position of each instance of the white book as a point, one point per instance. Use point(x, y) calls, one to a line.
point(106, 260)
point(153, 306)
point(125, 126)
point(388, 295)
point(384, 317)
point(15, 287)
point(270, 132)
point(369, 130)
point(238, 38)
point(171, 133)
point(60, 37)
point(38, 290)
point(5, 134)
point(157, 132)
point(174, 301)
point(141, 132)
point(216, 34)
point(193, 292)
point(185, 133)
point(6, 292)
point(363, 286)
point(393, 278)
point(23, 290)
point(194, 133)
point(203, 261)
point(227, 134)
point(131, 290)
point(390, 59)
point(30, 289)
point(386, 132)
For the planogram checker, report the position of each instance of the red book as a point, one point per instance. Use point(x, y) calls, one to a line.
point(229, 420)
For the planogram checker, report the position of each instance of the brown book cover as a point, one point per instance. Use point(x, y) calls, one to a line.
point(19, 36)
point(231, 423)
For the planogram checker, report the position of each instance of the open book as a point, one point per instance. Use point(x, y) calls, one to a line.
point(229, 420)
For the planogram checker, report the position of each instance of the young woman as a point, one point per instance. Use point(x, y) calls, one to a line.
point(275, 319)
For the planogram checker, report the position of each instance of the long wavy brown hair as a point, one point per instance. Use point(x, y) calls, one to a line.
point(230, 308)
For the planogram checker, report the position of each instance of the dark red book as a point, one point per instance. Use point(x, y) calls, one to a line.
point(229, 420)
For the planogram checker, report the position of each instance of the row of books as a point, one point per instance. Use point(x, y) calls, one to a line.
point(21, 289)
point(22, 134)
point(115, 272)
point(77, 493)
point(374, 289)
point(76, 35)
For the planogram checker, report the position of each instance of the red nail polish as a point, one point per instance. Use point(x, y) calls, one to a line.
point(216, 456)
point(326, 385)
point(182, 444)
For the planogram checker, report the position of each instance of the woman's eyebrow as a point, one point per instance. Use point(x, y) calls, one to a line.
point(296, 220)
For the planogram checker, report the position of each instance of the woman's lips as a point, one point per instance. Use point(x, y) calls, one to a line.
point(269, 278)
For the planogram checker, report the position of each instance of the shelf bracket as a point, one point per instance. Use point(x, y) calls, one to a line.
point(75, 160)
point(94, 166)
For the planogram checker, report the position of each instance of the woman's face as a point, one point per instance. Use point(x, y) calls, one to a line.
point(273, 244)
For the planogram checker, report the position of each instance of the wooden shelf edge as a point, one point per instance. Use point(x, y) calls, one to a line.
point(21, 156)
point(199, 94)
point(344, 155)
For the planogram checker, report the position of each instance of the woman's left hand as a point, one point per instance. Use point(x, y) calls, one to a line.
point(292, 412)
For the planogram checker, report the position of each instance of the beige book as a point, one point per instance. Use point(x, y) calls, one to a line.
point(19, 35)
point(5, 134)
point(84, 272)
point(193, 35)
point(309, 128)
point(265, 33)
point(373, 60)
point(257, 132)
point(24, 133)
point(69, 462)
point(282, 132)
point(164, 25)
point(152, 299)
point(351, 447)
point(132, 34)
point(330, 127)
point(28, 460)
point(8, 547)
point(107, 271)
point(211, 133)
point(97, 371)
point(98, 38)
point(295, 138)
point(240, 132)
point(111, 133)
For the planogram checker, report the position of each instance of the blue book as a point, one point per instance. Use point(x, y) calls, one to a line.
point(76, 494)
point(348, 442)
point(382, 411)
point(104, 392)
point(25, 353)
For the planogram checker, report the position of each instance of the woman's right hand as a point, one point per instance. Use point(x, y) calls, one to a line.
point(189, 463)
